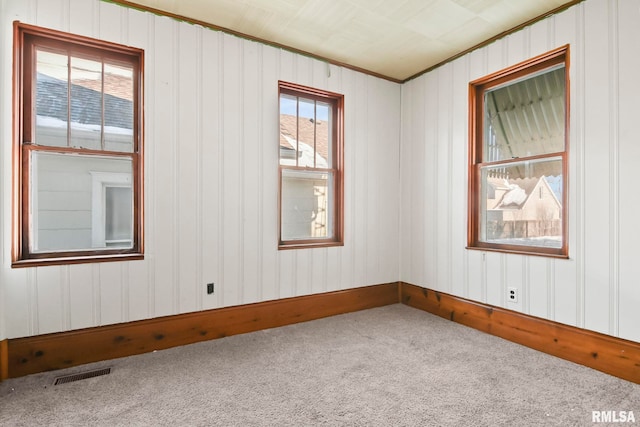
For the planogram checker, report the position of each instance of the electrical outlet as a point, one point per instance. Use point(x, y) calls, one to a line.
point(512, 294)
point(209, 288)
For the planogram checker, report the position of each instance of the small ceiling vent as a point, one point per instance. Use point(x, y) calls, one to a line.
point(81, 376)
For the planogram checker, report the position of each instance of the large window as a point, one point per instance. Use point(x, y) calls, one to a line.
point(310, 167)
point(78, 156)
point(518, 158)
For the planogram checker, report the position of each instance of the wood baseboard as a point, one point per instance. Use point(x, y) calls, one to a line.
point(4, 360)
point(42, 353)
point(614, 356)
point(24, 356)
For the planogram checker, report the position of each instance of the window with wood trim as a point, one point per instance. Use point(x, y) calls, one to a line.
point(78, 155)
point(311, 162)
point(519, 121)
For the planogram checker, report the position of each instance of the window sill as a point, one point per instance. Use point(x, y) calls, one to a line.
point(38, 262)
point(519, 251)
point(305, 245)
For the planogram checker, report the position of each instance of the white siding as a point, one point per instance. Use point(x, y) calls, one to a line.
point(597, 288)
point(211, 158)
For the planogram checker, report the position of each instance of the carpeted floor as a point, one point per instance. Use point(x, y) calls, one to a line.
point(389, 366)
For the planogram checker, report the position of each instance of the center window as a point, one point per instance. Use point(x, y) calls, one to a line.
point(310, 147)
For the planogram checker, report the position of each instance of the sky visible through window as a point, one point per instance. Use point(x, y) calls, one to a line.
point(288, 106)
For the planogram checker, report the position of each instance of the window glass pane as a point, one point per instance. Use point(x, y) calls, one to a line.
point(522, 203)
point(323, 135)
point(306, 201)
point(526, 117)
point(66, 211)
point(86, 103)
point(118, 108)
point(306, 133)
point(288, 130)
point(51, 99)
point(118, 216)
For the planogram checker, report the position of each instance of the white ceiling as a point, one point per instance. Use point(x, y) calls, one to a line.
point(396, 39)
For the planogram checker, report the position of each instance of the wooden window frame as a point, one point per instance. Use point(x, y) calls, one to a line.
point(26, 39)
point(477, 89)
point(337, 167)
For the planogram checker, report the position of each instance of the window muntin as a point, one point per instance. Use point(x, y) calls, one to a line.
point(518, 152)
point(79, 117)
point(310, 147)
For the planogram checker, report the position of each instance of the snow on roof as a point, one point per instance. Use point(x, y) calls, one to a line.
point(517, 191)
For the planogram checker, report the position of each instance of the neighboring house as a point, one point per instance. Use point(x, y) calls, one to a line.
point(308, 131)
point(83, 202)
point(522, 208)
point(305, 200)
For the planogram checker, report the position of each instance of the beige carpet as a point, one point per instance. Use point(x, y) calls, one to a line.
point(389, 366)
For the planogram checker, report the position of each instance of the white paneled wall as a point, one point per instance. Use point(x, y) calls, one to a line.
point(597, 288)
point(211, 126)
point(211, 180)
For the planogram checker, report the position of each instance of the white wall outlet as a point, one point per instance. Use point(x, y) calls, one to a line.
point(512, 294)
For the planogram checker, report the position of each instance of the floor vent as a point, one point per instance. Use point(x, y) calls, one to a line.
point(81, 376)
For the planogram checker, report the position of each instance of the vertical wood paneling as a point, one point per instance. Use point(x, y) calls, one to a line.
point(566, 290)
point(269, 155)
point(139, 295)
point(138, 292)
point(458, 179)
point(388, 196)
point(163, 179)
point(200, 280)
point(495, 276)
point(149, 139)
point(233, 168)
point(186, 153)
point(443, 179)
point(302, 273)
point(517, 47)
point(111, 293)
point(173, 251)
point(592, 288)
point(418, 221)
point(318, 271)
point(350, 177)
point(252, 70)
point(629, 155)
point(409, 175)
point(81, 17)
point(17, 321)
point(614, 161)
point(81, 291)
point(49, 299)
point(210, 161)
point(358, 113)
point(112, 22)
point(597, 160)
point(536, 294)
point(124, 297)
point(427, 188)
point(51, 13)
point(287, 274)
point(373, 172)
point(211, 178)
